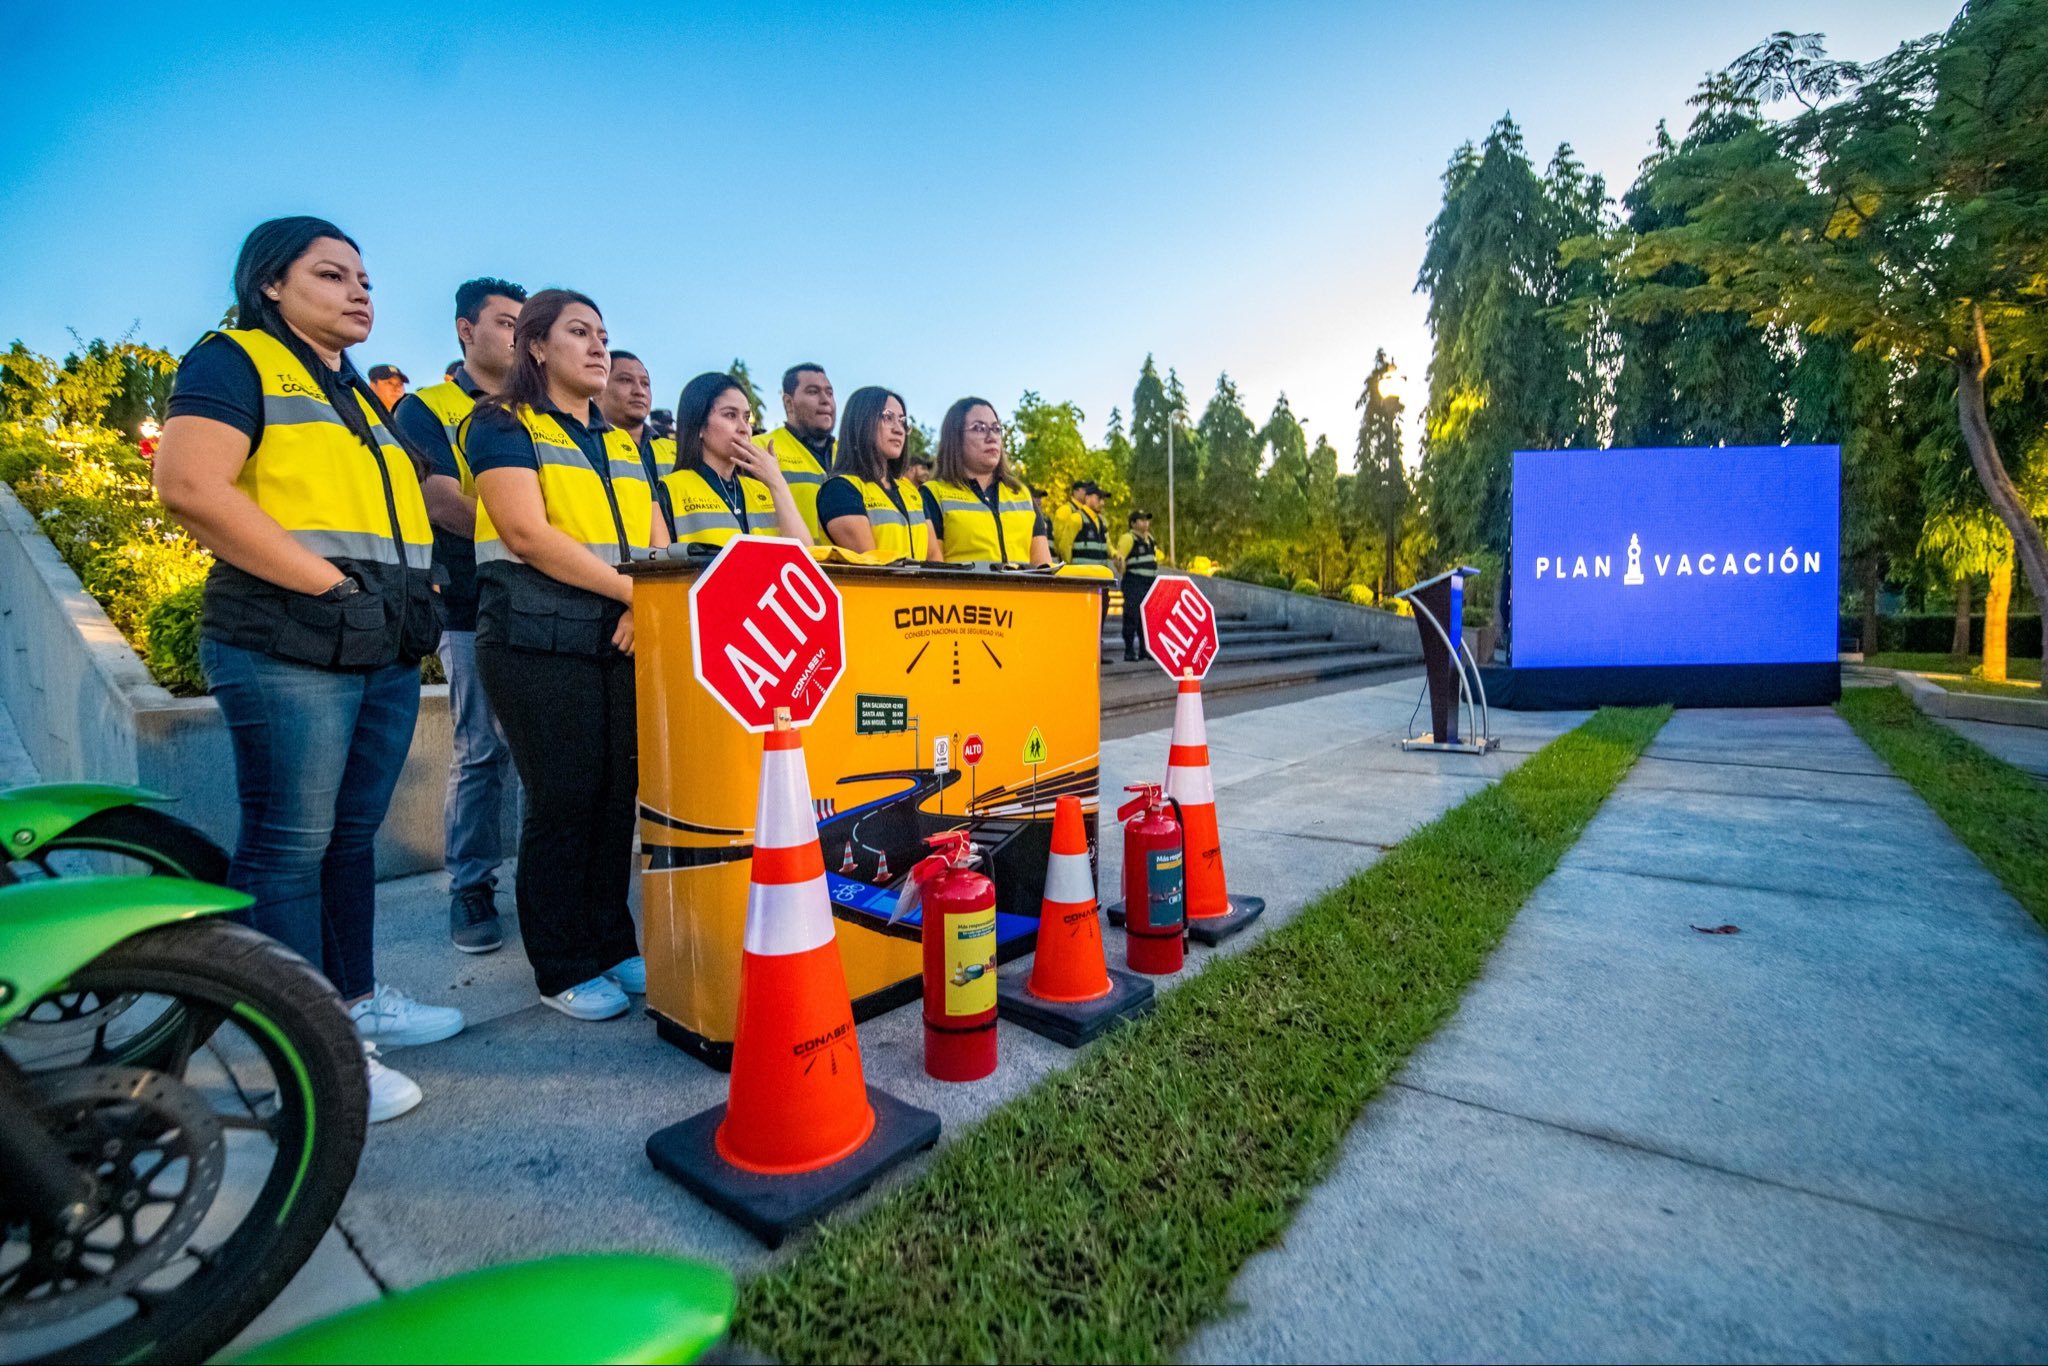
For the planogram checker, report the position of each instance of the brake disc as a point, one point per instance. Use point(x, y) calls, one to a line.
point(156, 1152)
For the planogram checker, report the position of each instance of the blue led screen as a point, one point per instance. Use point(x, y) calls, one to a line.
point(1709, 555)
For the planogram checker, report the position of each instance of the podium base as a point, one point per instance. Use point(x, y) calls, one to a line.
point(1426, 742)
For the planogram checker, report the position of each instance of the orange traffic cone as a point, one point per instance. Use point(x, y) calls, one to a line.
point(800, 1131)
point(847, 867)
point(881, 867)
point(1213, 913)
point(1071, 995)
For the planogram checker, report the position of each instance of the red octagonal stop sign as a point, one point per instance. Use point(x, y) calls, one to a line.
point(1180, 627)
point(766, 631)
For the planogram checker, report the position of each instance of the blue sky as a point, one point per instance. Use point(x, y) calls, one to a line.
point(943, 198)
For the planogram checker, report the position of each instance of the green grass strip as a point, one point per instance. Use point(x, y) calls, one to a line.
point(1102, 1215)
point(1998, 811)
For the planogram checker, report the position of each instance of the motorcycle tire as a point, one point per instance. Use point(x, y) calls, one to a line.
point(220, 970)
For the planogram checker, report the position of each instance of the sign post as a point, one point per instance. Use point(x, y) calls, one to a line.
point(794, 1138)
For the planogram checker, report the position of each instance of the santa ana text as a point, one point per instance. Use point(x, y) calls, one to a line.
point(1726, 564)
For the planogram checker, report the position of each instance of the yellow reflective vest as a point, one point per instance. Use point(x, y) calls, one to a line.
point(969, 531)
point(901, 533)
point(359, 509)
point(450, 402)
point(802, 472)
point(703, 517)
point(611, 514)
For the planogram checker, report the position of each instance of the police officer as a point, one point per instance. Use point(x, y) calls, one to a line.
point(486, 311)
point(867, 504)
point(564, 505)
point(317, 611)
point(979, 509)
point(803, 444)
point(1137, 560)
point(724, 484)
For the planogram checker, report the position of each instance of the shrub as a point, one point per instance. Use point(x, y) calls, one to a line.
point(1308, 586)
point(1360, 594)
point(170, 633)
point(89, 491)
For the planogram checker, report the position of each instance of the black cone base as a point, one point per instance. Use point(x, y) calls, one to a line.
point(773, 1207)
point(1217, 928)
point(1072, 1023)
point(1214, 930)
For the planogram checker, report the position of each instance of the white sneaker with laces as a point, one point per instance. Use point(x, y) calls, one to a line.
point(391, 1093)
point(391, 1019)
point(597, 999)
point(630, 975)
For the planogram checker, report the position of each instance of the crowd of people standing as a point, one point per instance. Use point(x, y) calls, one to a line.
point(488, 518)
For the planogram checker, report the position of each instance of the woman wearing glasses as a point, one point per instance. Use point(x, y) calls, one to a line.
point(867, 505)
point(980, 510)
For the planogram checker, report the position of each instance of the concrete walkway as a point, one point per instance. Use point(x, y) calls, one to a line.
point(2024, 747)
point(530, 1139)
point(1822, 1138)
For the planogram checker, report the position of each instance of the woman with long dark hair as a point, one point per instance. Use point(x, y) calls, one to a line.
point(563, 504)
point(980, 510)
point(724, 485)
point(864, 506)
point(278, 458)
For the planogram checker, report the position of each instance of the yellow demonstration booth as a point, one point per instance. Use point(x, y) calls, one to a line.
point(971, 698)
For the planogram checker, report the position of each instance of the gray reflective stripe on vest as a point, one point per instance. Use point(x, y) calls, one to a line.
point(690, 522)
point(887, 516)
point(803, 477)
point(497, 552)
point(367, 546)
point(291, 410)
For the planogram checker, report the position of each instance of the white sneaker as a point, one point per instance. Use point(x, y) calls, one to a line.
point(597, 999)
point(391, 1093)
point(630, 975)
point(392, 1019)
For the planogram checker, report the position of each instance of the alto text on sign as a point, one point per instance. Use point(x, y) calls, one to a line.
point(1180, 626)
point(767, 631)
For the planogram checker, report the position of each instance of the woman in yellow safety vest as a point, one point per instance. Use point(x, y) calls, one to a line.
point(318, 608)
point(867, 505)
point(723, 485)
point(563, 505)
point(979, 509)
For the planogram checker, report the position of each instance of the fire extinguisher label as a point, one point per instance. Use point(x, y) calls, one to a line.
point(1165, 879)
point(971, 963)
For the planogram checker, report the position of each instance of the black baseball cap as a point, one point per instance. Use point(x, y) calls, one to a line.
point(1139, 515)
point(383, 372)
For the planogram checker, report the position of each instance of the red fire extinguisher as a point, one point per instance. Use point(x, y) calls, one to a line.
point(959, 958)
point(1155, 902)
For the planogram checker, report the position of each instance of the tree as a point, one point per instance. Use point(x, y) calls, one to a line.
point(1693, 379)
point(1285, 507)
point(1908, 215)
point(1382, 488)
point(1229, 484)
point(738, 370)
point(1513, 365)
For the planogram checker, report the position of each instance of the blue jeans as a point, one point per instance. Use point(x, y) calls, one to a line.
point(317, 755)
point(476, 774)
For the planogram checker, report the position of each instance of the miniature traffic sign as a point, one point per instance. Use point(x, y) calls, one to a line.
point(1180, 627)
point(970, 750)
point(767, 631)
point(1034, 747)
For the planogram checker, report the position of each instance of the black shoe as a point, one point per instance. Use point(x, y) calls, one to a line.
point(473, 920)
point(1130, 656)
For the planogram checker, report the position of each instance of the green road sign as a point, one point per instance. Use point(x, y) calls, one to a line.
point(880, 714)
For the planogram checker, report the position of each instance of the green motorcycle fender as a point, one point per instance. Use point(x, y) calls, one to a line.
point(50, 929)
point(31, 817)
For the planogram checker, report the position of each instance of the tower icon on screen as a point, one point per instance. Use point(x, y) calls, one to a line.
point(1634, 576)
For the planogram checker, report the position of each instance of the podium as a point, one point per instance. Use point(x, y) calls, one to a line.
point(1451, 674)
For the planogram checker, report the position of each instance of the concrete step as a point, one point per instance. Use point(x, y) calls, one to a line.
point(1245, 637)
point(1145, 686)
point(1286, 648)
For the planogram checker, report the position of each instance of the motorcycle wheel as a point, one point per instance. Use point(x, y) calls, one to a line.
point(138, 840)
point(266, 1065)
